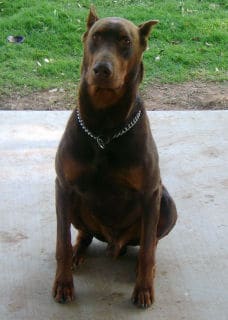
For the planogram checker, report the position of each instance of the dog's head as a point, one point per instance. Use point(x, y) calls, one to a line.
point(113, 50)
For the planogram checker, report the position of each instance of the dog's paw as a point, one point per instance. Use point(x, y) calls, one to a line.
point(77, 260)
point(63, 291)
point(78, 255)
point(115, 250)
point(143, 297)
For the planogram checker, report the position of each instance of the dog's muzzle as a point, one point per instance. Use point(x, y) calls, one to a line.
point(102, 70)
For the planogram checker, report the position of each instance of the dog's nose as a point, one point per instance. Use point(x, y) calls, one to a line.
point(102, 70)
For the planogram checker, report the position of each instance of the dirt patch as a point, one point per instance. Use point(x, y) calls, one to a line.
point(54, 99)
point(186, 96)
point(12, 238)
point(191, 95)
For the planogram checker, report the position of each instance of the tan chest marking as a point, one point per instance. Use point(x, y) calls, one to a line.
point(72, 169)
point(132, 177)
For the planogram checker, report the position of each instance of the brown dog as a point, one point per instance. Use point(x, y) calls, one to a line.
point(108, 181)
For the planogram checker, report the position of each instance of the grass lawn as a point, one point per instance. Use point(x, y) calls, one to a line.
point(190, 42)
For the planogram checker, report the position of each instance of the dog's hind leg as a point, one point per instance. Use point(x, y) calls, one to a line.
point(82, 242)
point(168, 214)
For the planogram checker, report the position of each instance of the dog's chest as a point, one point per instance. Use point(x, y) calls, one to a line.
point(106, 187)
point(111, 194)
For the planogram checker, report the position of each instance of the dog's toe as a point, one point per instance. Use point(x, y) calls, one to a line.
point(143, 297)
point(63, 292)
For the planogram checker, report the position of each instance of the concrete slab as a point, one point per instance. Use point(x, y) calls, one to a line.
point(192, 262)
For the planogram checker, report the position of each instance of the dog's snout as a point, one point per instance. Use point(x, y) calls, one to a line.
point(102, 70)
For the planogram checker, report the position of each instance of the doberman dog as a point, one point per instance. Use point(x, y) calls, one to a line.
point(108, 183)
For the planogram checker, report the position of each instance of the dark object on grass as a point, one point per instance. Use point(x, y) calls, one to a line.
point(15, 39)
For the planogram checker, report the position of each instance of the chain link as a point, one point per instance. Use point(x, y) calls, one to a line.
point(101, 141)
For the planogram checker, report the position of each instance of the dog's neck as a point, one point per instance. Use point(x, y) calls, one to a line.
point(113, 115)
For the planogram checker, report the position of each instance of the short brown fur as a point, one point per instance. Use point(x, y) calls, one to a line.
point(114, 194)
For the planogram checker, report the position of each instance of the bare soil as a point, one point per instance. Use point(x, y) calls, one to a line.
point(186, 96)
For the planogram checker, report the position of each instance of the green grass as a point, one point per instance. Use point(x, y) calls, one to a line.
point(190, 42)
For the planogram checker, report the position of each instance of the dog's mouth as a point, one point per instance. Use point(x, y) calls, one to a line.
point(104, 94)
point(104, 87)
point(101, 85)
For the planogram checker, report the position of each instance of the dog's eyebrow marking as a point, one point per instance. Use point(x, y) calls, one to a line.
point(112, 32)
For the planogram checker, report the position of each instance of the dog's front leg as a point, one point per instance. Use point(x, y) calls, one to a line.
point(143, 294)
point(63, 289)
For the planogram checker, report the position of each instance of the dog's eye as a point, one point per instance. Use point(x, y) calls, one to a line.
point(96, 36)
point(126, 41)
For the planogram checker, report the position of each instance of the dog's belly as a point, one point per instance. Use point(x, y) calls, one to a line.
point(113, 209)
point(114, 226)
point(108, 209)
point(116, 230)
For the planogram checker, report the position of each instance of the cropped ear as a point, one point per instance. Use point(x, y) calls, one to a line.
point(145, 29)
point(92, 17)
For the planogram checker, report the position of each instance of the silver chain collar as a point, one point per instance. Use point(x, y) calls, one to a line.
point(102, 142)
